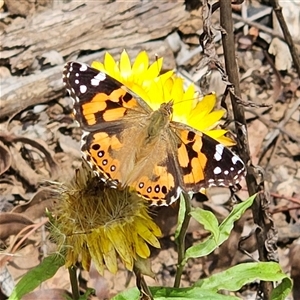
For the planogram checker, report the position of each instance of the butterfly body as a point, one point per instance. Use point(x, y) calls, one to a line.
point(130, 144)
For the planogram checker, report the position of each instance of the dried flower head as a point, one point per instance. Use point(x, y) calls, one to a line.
point(96, 222)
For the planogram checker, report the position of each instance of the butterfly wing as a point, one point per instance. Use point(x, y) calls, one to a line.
point(183, 159)
point(99, 100)
point(115, 142)
point(112, 119)
point(204, 162)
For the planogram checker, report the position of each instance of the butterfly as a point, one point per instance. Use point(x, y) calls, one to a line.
point(128, 143)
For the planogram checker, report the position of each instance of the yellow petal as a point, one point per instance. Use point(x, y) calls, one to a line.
point(98, 65)
point(109, 255)
point(144, 232)
point(119, 240)
point(207, 122)
point(95, 247)
point(111, 67)
point(218, 134)
point(153, 227)
point(125, 65)
point(85, 258)
point(154, 69)
point(140, 246)
point(140, 64)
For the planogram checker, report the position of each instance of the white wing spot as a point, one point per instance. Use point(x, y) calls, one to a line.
point(235, 159)
point(83, 89)
point(77, 75)
point(219, 152)
point(96, 80)
point(217, 170)
point(83, 67)
point(226, 172)
point(241, 171)
point(76, 81)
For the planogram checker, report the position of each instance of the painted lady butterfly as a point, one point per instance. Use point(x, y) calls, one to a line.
point(133, 145)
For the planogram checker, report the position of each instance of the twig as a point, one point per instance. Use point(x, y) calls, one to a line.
point(287, 34)
point(265, 231)
point(181, 239)
point(273, 125)
point(287, 117)
point(292, 199)
point(266, 29)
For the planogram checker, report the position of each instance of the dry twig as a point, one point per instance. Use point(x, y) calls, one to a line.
point(265, 232)
point(288, 38)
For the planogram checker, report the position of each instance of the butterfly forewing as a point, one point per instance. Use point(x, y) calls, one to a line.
point(98, 98)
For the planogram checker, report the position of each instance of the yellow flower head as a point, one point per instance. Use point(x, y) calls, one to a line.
point(98, 223)
point(155, 88)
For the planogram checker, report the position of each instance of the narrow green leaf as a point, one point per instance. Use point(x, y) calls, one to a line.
point(130, 294)
point(191, 293)
point(282, 290)
point(234, 278)
point(225, 228)
point(33, 278)
point(238, 210)
point(181, 215)
point(208, 220)
point(161, 293)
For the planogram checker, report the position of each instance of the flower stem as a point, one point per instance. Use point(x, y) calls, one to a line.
point(181, 239)
point(74, 282)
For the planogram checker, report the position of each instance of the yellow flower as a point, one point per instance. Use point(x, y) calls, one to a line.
point(155, 88)
point(99, 223)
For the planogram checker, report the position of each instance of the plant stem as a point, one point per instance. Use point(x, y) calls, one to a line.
point(181, 239)
point(74, 282)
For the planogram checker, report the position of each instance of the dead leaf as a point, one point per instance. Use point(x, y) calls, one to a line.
point(12, 224)
point(5, 159)
point(36, 207)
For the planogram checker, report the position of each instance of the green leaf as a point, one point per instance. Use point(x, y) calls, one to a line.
point(282, 290)
point(131, 294)
point(181, 215)
point(234, 278)
point(238, 210)
point(208, 220)
point(161, 293)
point(33, 278)
point(192, 293)
point(225, 228)
point(87, 294)
point(230, 280)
